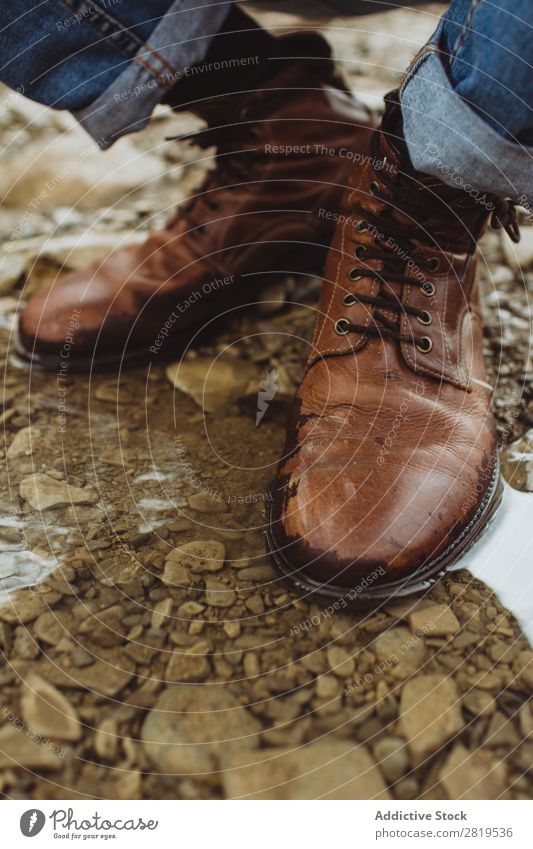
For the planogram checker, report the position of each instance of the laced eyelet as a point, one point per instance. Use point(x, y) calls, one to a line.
point(353, 276)
point(374, 187)
point(432, 264)
point(359, 252)
point(348, 300)
point(424, 344)
point(342, 326)
point(362, 226)
point(428, 288)
point(424, 317)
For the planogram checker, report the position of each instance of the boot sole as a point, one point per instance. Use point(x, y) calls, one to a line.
point(418, 582)
point(174, 346)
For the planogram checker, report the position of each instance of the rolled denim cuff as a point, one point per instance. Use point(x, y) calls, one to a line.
point(447, 139)
point(179, 41)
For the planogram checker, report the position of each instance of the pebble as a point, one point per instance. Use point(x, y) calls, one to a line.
point(390, 754)
point(332, 769)
point(437, 620)
point(44, 493)
point(399, 652)
point(430, 714)
point(258, 573)
point(517, 463)
point(162, 611)
point(218, 594)
point(47, 712)
point(472, 775)
point(212, 382)
point(198, 556)
point(190, 728)
point(23, 443)
point(20, 749)
point(232, 629)
point(189, 665)
point(479, 703)
point(340, 661)
point(189, 609)
point(204, 503)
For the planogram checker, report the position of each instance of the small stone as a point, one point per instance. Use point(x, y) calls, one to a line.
point(517, 462)
point(340, 661)
point(331, 769)
point(430, 714)
point(190, 728)
point(258, 573)
point(189, 609)
point(18, 749)
point(162, 612)
point(106, 740)
point(251, 665)
point(472, 775)
point(399, 652)
point(189, 665)
point(219, 594)
point(232, 629)
point(436, 620)
point(479, 703)
point(44, 493)
point(47, 712)
point(327, 687)
point(23, 607)
point(212, 382)
point(198, 556)
point(204, 503)
point(176, 575)
point(23, 443)
point(390, 754)
point(255, 605)
point(526, 719)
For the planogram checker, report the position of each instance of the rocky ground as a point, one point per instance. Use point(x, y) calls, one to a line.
point(162, 657)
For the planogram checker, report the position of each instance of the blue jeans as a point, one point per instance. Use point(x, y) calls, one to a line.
point(466, 101)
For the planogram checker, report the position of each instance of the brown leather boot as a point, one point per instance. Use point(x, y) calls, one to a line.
point(390, 470)
point(285, 149)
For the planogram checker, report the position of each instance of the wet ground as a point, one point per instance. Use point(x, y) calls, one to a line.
point(154, 652)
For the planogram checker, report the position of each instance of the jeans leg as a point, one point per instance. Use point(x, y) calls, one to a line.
point(108, 61)
point(467, 100)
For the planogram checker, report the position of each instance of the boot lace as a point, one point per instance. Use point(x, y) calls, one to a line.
point(418, 204)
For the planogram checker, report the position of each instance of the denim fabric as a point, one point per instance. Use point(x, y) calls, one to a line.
point(108, 61)
point(467, 100)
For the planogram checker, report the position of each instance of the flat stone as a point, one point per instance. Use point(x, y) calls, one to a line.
point(434, 620)
point(390, 754)
point(18, 748)
point(472, 775)
point(183, 667)
point(162, 612)
point(189, 609)
point(479, 703)
point(191, 727)
point(44, 493)
point(340, 661)
point(47, 712)
point(258, 573)
point(218, 594)
point(197, 556)
point(212, 382)
point(101, 678)
point(399, 652)
point(430, 714)
point(205, 503)
point(23, 443)
point(332, 769)
point(24, 606)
